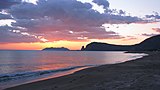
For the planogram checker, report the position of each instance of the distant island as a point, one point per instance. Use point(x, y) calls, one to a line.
point(56, 49)
point(150, 44)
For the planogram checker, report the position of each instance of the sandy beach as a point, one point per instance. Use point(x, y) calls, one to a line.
point(139, 74)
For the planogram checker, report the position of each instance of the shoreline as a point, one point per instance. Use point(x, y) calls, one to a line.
point(142, 73)
point(5, 85)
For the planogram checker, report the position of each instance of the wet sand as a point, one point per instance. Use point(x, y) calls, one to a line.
point(139, 74)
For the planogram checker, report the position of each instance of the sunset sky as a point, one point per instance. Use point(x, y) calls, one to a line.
point(36, 24)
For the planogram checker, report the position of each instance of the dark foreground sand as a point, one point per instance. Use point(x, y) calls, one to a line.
point(140, 74)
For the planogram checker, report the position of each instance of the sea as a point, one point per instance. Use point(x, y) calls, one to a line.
point(20, 67)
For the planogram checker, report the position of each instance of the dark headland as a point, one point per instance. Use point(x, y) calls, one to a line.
point(150, 44)
point(139, 74)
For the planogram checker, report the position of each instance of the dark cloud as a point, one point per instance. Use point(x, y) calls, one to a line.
point(5, 16)
point(85, 34)
point(70, 11)
point(4, 4)
point(155, 15)
point(6, 27)
point(7, 36)
point(51, 8)
point(121, 12)
point(65, 20)
point(149, 35)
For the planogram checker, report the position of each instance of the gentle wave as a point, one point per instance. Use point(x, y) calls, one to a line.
point(15, 76)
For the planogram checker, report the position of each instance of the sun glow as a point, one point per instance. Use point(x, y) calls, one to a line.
point(39, 46)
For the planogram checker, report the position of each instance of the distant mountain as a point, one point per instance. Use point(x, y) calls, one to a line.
point(56, 49)
point(150, 44)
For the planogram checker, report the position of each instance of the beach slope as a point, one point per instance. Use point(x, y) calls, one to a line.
point(139, 74)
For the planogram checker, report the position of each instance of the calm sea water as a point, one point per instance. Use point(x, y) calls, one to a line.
point(17, 67)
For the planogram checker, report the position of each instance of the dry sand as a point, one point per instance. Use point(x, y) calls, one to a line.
point(139, 74)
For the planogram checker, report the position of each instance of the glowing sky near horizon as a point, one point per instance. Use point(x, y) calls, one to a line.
point(33, 24)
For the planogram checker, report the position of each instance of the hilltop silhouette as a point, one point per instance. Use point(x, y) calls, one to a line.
point(150, 44)
point(56, 49)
